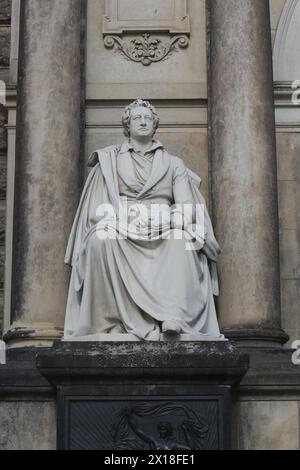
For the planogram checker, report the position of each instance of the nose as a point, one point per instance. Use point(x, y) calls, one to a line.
point(143, 121)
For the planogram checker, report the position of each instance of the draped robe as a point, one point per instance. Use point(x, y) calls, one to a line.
point(129, 285)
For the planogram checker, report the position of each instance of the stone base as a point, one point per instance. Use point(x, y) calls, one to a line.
point(40, 335)
point(143, 395)
point(117, 337)
point(259, 338)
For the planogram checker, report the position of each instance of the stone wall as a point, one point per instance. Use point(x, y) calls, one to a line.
point(5, 20)
point(27, 424)
point(266, 424)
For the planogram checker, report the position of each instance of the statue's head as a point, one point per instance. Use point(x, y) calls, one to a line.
point(144, 116)
point(165, 430)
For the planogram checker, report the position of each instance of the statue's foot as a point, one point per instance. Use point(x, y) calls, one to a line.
point(170, 327)
point(117, 329)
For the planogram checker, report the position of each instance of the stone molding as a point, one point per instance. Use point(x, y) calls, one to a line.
point(257, 337)
point(37, 334)
point(270, 375)
point(5, 15)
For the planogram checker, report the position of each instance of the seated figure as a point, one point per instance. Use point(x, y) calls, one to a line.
point(142, 248)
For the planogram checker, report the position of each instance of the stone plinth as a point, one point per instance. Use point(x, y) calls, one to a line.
point(113, 395)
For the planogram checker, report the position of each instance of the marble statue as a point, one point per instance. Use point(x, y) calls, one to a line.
point(142, 248)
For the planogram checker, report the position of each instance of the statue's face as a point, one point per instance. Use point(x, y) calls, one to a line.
point(141, 122)
point(165, 430)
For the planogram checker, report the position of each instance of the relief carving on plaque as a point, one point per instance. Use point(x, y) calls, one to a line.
point(146, 31)
point(177, 427)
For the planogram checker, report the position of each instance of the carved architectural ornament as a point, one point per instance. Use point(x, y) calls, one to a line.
point(132, 27)
point(146, 48)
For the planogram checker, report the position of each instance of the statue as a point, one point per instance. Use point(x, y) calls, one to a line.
point(142, 248)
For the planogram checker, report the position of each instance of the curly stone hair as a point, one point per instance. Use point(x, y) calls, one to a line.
point(127, 115)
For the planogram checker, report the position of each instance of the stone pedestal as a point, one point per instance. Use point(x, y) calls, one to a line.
point(243, 170)
point(115, 396)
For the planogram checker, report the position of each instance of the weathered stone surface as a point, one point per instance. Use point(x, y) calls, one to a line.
point(285, 54)
point(276, 7)
point(5, 6)
point(192, 375)
point(288, 162)
point(288, 204)
point(261, 418)
point(2, 265)
point(27, 425)
point(266, 425)
point(47, 159)
point(29, 420)
point(20, 374)
point(4, 47)
point(3, 133)
point(2, 227)
point(290, 307)
point(212, 362)
point(1, 311)
point(5, 10)
point(3, 180)
point(243, 168)
point(112, 76)
point(289, 258)
point(288, 149)
point(271, 374)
